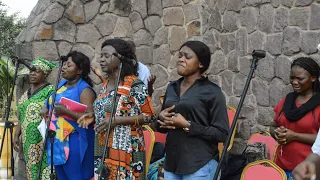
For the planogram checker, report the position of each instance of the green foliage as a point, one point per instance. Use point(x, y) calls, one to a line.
point(7, 70)
point(10, 27)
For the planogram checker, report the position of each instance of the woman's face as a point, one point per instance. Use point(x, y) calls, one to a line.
point(37, 77)
point(70, 70)
point(301, 80)
point(108, 62)
point(188, 63)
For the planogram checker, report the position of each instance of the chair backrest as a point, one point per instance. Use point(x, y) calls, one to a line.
point(149, 140)
point(267, 139)
point(257, 170)
point(231, 113)
point(160, 137)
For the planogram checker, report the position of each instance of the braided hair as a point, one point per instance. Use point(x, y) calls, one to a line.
point(125, 49)
point(83, 63)
point(312, 67)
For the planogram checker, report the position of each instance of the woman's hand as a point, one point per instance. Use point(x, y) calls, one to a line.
point(177, 121)
point(16, 143)
point(166, 113)
point(44, 113)
point(60, 109)
point(97, 71)
point(284, 135)
point(85, 120)
point(305, 170)
point(102, 127)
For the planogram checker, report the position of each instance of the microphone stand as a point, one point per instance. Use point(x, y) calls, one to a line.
point(51, 133)
point(103, 171)
point(9, 124)
point(257, 55)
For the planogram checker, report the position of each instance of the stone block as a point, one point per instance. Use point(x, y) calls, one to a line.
point(173, 16)
point(219, 62)
point(253, 2)
point(274, 43)
point(281, 19)
point(291, 41)
point(256, 41)
point(230, 21)
point(162, 75)
point(36, 21)
point(299, 17)
point(210, 40)
point(123, 28)
point(154, 7)
point(64, 48)
point(215, 79)
point(243, 129)
point(25, 51)
point(40, 7)
point(173, 75)
point(303, 2)
point(235, 5)
point(310, 41)
point(226, 83)
point(152, 23)
point(241, 42)
point(171, 3)
point(177, 36)
point(315, 17)
point(63, 2)
point(105, 23)
point(104, 8)
point(30, 34)
point(91, 9)
point(53, 13)
point(259, 128)
point(144, 54)
point(233, 63)
point(174, 61)
point(45, 49)
point(233, 101)
point(276, 87)
point(88, 33)
point(260, 89)
point(136, 21)
point(283, 67)
point(85, 49)
point(249, 110)
point(287, 3)
point(265, 69)
point(248, 18)
point(44, 32)
point(64, 30)
point(193, 28)
point(186, 1)
point(265, 116)
point(238, 84)
point(275, 3)
point(227, 42)
point(142, 37)
point(161, 36)
point(265, 19)
point(162, 55)
point(244, 64)
point(121, 7)
point(191, 12)
point(211, 19)
point(287, 90)
point(140, 6)
point(75, 12)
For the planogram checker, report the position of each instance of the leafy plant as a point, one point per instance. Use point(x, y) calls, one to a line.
point(7, 70)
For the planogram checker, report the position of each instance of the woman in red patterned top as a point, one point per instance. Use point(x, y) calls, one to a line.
point(298, 115)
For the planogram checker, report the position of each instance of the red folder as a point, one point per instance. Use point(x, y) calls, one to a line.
point(72, 106)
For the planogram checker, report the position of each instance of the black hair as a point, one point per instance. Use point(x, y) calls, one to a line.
point(125, 49)
point(312, 67)
point(83, 63)
point(202, 51)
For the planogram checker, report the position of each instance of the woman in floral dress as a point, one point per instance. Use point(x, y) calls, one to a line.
point(30, 105)
point(134, 108)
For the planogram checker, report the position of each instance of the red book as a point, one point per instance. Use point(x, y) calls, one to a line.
point(72, 106)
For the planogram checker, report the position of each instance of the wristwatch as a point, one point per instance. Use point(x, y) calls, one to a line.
point(186, 129)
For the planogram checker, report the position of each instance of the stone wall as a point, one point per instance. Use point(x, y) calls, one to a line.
point(286, 29)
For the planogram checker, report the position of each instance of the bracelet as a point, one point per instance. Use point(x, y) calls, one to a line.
point(136, 122)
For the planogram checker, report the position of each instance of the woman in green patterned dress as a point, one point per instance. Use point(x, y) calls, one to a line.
point(29, 107)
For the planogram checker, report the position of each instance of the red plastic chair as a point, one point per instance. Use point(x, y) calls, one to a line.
point(149, 140)
point(267, 139)
point(263, 170)
point(231, 113)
